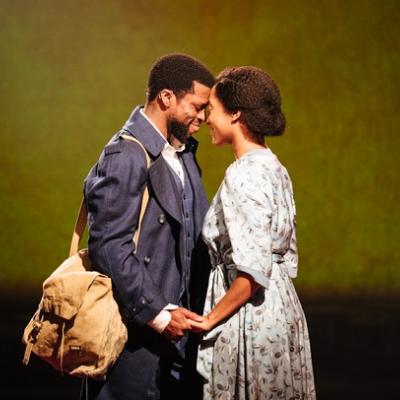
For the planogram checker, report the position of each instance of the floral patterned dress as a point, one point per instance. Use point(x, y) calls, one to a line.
point(263, 350)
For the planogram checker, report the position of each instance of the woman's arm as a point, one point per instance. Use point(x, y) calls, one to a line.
point(241, 290)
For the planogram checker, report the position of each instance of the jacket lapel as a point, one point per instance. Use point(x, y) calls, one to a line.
point(165, 188)
point(161, 180)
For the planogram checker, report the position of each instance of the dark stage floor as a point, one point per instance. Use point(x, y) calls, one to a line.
point(353, 344)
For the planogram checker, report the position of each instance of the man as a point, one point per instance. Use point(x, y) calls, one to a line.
point(151, 284)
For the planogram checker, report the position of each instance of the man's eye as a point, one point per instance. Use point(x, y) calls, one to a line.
point(200, 107)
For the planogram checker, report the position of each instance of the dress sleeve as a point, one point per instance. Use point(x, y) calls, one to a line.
point(247, 205)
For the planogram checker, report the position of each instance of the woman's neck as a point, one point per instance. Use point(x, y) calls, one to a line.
point(242, 145)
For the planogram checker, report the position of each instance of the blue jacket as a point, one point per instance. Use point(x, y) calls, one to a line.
point(148, 279)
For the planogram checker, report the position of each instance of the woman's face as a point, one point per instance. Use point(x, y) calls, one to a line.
point(219, 121)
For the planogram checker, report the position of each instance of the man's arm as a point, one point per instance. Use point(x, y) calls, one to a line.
point(113, 195)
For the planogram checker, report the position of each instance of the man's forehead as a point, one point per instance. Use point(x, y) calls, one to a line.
point(201, 91)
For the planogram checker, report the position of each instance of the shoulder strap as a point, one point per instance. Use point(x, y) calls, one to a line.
point(81, 220)
point(79, 228)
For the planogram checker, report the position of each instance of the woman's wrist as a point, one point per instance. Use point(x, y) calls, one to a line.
point(211, 322)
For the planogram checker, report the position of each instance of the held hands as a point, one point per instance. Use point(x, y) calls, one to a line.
point(181, 321)
point(202, 326)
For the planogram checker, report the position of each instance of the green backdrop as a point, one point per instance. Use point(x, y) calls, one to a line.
point(71, 71)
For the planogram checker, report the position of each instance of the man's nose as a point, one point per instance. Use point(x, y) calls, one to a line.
point(201, 115)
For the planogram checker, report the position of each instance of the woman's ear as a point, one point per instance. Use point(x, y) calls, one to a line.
point(236, 116)
point(166, 97)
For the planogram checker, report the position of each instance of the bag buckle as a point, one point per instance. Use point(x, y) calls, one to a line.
point(37, 326)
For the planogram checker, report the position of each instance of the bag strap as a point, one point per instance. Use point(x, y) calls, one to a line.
point(81, 220)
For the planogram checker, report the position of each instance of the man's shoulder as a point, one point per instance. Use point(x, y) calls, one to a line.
point(113, 147)
point(126, 148)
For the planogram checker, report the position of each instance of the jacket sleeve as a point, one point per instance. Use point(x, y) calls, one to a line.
point(113, 193)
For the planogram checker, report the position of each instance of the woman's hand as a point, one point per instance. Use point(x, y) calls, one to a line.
point(242, 288)
point(206, 325)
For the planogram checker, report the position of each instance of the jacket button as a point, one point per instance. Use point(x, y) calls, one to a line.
point(161, 218)
point(147, 260)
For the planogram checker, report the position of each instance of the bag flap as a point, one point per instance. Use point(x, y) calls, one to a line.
point(63, 294)
point(78, 262)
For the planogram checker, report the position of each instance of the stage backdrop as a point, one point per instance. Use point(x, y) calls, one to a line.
point(71, 72)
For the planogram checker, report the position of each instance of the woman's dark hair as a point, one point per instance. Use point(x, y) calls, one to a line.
point(177, 72)
point(254, 93)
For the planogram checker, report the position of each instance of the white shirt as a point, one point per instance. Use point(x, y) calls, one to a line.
point(169, 153)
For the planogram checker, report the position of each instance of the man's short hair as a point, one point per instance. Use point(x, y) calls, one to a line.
point(177, 72)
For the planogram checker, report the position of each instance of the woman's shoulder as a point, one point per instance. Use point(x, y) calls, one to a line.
point(258, 171)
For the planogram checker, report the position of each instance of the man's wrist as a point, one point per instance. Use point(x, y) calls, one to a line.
point(162, 319)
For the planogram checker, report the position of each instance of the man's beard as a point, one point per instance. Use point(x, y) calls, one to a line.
point(178, 130)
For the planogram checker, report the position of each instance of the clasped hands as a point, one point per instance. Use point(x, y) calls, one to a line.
point(183, 320)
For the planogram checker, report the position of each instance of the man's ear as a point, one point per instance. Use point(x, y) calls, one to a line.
point(166, 97)
point(236, 116)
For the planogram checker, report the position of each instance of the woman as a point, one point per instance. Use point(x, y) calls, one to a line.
point(255, 342)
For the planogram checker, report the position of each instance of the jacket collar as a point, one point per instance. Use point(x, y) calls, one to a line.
point(191, 145)
point(138, 126)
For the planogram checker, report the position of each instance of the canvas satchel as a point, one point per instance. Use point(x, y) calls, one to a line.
point(77, 327)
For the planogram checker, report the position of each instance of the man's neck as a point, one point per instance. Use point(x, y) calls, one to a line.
point(157, 117)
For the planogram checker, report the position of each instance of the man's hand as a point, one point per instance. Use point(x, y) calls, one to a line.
point(180, 322)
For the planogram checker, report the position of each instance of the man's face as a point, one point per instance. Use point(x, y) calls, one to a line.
point(189, 112)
